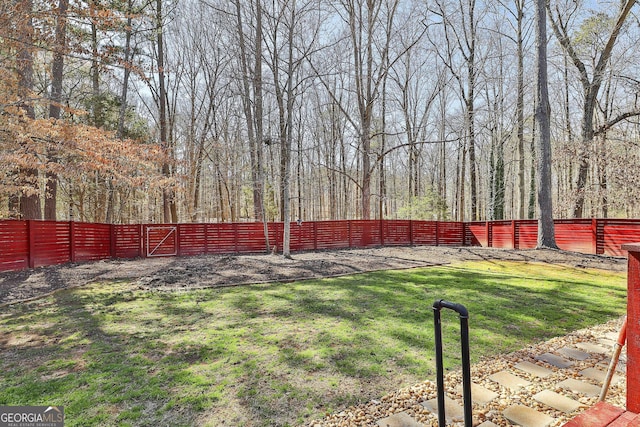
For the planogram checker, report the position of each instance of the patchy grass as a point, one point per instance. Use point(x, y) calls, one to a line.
point(277, 354)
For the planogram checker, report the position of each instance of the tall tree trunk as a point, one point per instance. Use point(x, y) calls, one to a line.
point(462, 176)
point(531, 211)
point(471, 147)
point(470, 99)
point(120, 132)
point(96, 105)
point(103, 187)
point(128, 64)
point(57, 67)
point(567, 179)
point(382, 184)
point(442, 175)
point(520, 109)
point(167, 193)
point(546, 232)
point(29, 205)
point(288, 140)
point(257, 169)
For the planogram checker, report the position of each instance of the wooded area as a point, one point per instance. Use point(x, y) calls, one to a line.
point(126, 111)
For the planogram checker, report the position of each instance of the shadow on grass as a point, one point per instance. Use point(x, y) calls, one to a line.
point(276, 354)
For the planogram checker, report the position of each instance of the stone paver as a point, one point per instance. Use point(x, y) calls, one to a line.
point(592, 348)
point(557, 401)
point(533, 369)
point(527, 417)
point(574, 353)
point(598, 375)
point(488, 424)
point(508, 380)
point(555, 360)
point(479, 394)
point(401, 419)
point(582, 387)
point(452, 410)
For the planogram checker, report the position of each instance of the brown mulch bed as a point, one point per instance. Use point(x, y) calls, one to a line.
point(230, 270)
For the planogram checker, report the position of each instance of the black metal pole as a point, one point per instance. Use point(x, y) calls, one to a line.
point(466, 363)
point(439, 365)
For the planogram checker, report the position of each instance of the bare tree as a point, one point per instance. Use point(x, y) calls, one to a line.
point(590, 85)
point(369, 62)
point(290, 45)
point(461, 39)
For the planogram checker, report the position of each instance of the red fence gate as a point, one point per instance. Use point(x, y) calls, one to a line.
point(161, 240)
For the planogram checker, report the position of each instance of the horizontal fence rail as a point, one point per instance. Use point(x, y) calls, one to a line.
point(30, 244)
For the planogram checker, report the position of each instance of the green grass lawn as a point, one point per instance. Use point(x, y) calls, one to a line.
point(277, 354)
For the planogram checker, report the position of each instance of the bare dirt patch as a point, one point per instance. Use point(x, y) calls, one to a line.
point(231, 270)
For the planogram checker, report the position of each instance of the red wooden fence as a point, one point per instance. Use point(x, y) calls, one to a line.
point(29, 244)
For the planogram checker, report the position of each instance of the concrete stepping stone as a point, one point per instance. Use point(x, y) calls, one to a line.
point(401, 419)
point(487, 424)
point(479, 394)
point(557, 401)
point(533, 369)
point(452, 410)
point(554, 360)
point(526, 417)
point(592, 348)
point(508, 380)
point(598, 375)
point(581, 387)
point(574, 353)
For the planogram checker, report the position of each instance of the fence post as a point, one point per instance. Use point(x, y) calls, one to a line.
point(489, 234)
point(235, 237)
point(594, 235)
point(143, 252)
point(633, 327)
point(31, 243)
point(466, 233)
point(178, 248)
point(72, 241)
point(410, 232)
point(315, 235)
point(112, 241)
point(515, 241)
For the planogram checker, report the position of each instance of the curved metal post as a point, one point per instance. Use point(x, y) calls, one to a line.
point(466, 364)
